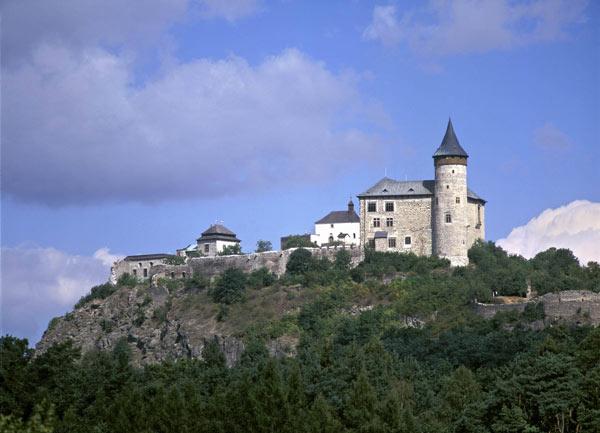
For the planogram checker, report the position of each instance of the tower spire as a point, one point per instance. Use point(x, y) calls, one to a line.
point(450, 145)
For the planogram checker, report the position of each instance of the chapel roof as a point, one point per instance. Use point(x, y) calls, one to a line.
point(339, 216)
point(450, 145)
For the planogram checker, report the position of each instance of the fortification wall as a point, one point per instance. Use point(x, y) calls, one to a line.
point(573, 306)
point(274, 261)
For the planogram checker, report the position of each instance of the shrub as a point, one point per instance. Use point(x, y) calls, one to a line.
point(230, 287)
point(297, 241)
point(102, 291)
point(534, 312)
point(127, 280)
point(342, 260)
point(197, 281)
point(231, 250)
point(261, 278)
point(262, 246)
point(300, 262)
point(175, 260)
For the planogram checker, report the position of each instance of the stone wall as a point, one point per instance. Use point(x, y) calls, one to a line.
point(573, 306)
point(274, 261)
point(476, 221)
point(411, 217)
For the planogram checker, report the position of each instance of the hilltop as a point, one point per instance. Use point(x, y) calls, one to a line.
point(399, 343)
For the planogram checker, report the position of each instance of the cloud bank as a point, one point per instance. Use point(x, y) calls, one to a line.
point(447, 27)
point(41, 283)
point(575, 226)
point(77, 130)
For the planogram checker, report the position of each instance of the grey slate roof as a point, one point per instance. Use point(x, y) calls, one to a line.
point(380, 235)
point(142, 257)
point(450, 145)
point(218, 232)
point(388, 187)
point(339, 216)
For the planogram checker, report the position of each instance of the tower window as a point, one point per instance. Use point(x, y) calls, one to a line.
point(452, 171)
point(206, 248)
point(447, 186)
point(389, 222)
point(448, 218)
point(371, 206)
point(457, 200)
point(407, 240)
point(392, 242)
point(376, 222)
point(389, 206)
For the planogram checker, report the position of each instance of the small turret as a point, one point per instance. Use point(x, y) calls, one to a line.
point(350, 206)
point(450, 200)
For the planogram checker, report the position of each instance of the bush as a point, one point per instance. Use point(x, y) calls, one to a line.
point(262, 246)
point(102, 291)
point(261, 278)
point(197, 282)
point(230, 287)
point(297, 241)
point(342, 260)
point(300, 262)
point(175, 260)
point(127, 280)
point(231, 250)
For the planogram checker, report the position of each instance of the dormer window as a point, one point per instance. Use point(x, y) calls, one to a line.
point(384, 190)
point(411, 190)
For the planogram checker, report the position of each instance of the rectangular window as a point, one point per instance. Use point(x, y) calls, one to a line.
point(206, 248)
point(389, 206)
point(457, 199)
point(389, 222)
point(371, 206)
point(371, 243)
point(392, 242)
point(437, 201)
point(376, 222)
point(407, 240)
point(354, 235)
point(448, 218)
point(145, 273)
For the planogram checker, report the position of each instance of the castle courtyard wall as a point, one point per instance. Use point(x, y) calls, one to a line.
point(274, 261)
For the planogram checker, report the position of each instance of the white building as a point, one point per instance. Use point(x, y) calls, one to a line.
point(338, 226)
point(214, 239)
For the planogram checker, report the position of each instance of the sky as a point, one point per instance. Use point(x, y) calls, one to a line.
point(130, 127)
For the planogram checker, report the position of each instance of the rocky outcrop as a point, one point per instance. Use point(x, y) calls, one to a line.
point(571, 306)
point(158, 323)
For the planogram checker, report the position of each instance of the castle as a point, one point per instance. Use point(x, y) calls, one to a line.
point(440, 217)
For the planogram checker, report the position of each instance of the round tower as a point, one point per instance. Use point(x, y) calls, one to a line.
point(449, 216)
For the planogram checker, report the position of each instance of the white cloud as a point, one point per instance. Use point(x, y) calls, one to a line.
point(548, 137)
point(230, 10)
point(575, 226)
point(446, 27)
point(41, 283)
point(76, 130)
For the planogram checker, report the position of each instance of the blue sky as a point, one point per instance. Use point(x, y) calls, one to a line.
point(130, 129)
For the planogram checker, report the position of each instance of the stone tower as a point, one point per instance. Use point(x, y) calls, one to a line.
point(450, 219)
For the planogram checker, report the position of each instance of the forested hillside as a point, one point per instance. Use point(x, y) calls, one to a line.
point(390, 346)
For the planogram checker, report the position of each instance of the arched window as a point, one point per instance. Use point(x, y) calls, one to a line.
point(330, 239)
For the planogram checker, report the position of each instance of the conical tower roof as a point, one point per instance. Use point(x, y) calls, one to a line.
point(450, 145)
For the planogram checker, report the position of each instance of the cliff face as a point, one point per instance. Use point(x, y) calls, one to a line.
point(162, 324)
